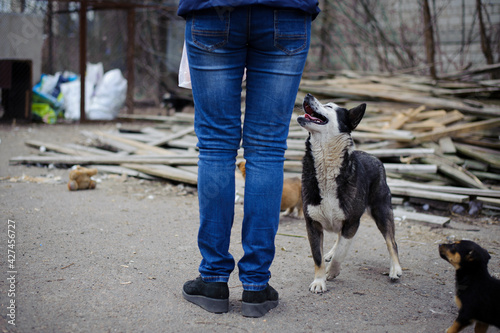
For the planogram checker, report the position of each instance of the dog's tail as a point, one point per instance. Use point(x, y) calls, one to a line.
point(241, 166)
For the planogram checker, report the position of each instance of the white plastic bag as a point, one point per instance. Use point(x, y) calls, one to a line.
point(104, 96)
point(184, 76)
point(109, 96)
point(94, 73)
point(71, 100)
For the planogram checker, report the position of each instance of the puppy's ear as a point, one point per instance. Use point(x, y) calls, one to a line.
point(355, 115)
point(478, 256)
point(471, 256)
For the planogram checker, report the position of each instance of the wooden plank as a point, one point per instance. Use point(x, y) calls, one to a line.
point(293, 166)
point(397, 200)
point(177, 118)
point(111, 142)
point(489, 201)
point(358, 135)
point(450, 117)
point(445, 189)
point(486, 175)
point(459, 174)
point(424, 218)
point(138, 145)
point(401, 152)
point(397, 122)
point(57, 148)
point(475, 165)
point(165, 171)
point(447, 146)
point(452, 131)
point(414, 168)
point(404, 97)
point(430, 114)
point(427, 125)
point(490, 156)
point(487, 143)
point(122, 171)
point(171, 137)
point(84, 160)
point(90, 150)
point(448, 197)
point(139, 137)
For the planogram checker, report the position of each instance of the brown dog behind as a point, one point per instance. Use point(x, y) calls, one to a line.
point(291, 199)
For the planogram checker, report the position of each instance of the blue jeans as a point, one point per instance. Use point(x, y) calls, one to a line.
point(272, 45)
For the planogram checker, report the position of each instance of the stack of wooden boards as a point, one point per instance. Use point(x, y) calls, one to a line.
point(436, 151)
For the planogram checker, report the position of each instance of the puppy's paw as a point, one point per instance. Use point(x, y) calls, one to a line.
point(333, 270)
point(318, 286)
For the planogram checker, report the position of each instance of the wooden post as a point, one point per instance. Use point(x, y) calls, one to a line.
point(50, 34)
point(83, 55)
point(130, 60)
point(429, 38)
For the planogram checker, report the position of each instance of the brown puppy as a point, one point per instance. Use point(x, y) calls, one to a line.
point(291, 199)
point(477, 292)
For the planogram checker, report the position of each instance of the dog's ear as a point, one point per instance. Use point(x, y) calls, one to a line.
point(355, 115)
point(478, 256)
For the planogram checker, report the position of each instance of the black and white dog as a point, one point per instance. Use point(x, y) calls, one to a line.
point(338, 184)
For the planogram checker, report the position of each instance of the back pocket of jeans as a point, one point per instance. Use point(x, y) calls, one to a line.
point(290, 30)
point(210, 28)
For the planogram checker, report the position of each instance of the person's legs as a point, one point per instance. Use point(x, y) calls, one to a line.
point(216, 61)
point(273, 45)
point(277, 51)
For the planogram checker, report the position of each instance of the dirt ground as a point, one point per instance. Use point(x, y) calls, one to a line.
point(114, 259)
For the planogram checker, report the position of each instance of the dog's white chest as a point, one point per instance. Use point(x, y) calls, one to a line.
point(328, 213)
point(328, 160)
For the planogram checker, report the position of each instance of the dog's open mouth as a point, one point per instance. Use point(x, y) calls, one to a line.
point(314, 116)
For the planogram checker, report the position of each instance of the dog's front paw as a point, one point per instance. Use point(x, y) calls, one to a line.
point(318, 286)
point(395, 272)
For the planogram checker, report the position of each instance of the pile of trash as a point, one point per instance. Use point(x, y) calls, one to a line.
point(58, 96)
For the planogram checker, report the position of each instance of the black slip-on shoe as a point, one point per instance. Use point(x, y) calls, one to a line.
point(257, 303)
point(211, 296)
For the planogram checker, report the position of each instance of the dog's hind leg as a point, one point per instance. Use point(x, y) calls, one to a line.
point(336, 256)
point(395, 271)
point(384, 219)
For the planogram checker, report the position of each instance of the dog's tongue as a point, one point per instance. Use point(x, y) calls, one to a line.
point(308, 116)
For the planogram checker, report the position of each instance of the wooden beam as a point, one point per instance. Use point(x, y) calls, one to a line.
point(401, 152)
point(138, 145)
point(459, 174)
point(424, 218)
point(432, 102)
point(171, 137)
point(446, 189)
point(414, 168)
point(452, 131)
point(130, 60)
point(490, 156)
point(166, 172)
point(448, 197)
point(99, 159)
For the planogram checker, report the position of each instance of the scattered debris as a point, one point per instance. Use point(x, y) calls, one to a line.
point(440, 152)
point(68, 265)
